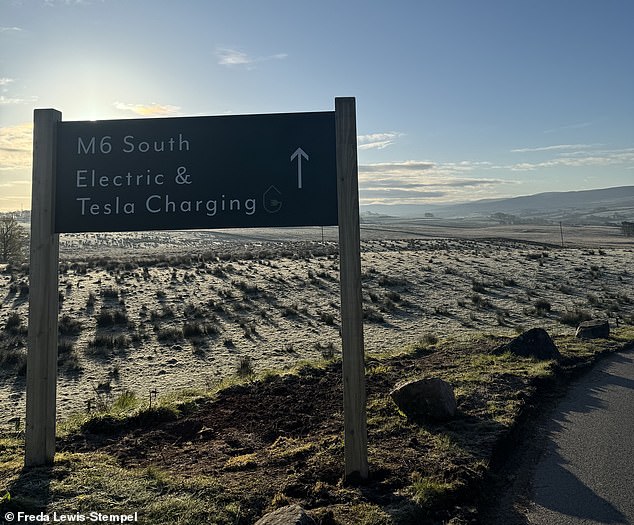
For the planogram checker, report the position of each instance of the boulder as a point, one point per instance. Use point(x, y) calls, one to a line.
point(289, 515)
point(593, 329)
point(533, 343)
point(427, 398)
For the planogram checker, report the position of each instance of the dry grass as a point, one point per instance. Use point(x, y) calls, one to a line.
point(421, 470)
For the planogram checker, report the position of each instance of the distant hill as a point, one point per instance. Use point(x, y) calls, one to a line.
point(585, 206)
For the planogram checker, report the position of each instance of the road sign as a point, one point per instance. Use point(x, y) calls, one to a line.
point(184, 173)
point(197, 173)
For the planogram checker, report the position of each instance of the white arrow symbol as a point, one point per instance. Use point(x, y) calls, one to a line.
point(299, 153)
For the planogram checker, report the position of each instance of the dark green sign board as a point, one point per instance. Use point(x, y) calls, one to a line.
point(267, 170)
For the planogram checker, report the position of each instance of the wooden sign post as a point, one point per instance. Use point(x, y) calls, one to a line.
point(41, 365)
point(269, 170)
point(354, 397)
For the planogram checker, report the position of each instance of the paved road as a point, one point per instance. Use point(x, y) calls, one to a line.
point(586, 474)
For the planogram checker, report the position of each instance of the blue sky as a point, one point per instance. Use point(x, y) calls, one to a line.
point(456, 100)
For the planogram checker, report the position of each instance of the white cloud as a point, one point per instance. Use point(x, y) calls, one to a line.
point(10, 29)
point(14, 183)
point(15, 193)
point(420, 181)
point(377, 140)
point(5, 81)
point(148, 110)
point(5, 101)
point(16, 145)
point(53, 3)
point(398, 167)
point(556, 147)
point(392, 195)
point(580, 159)
point(577, 125)
point(233, 57)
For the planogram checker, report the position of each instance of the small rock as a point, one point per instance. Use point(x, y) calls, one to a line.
point(289, 515)
point(533, 343)
point(433, 398)
point(595, 329)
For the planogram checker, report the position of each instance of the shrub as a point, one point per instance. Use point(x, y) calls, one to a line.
point(542, 306)
point(374, 297)
point(14, 358)
point(110, 293)
point(289, 348)
point(64, 347)
point(13, 322)
point(290, 310)
point(191, 330)
point(245, 366)
point(67, 356)
point(393, 296)
point(90, 302)
point(193, 311)
point(169, 334)
point(108, 317)
point(327, 318)
point(480, 301)
point(372, 316)
point(594, 300)
point(478, 286)
point(575, 317)
point(327, 351)
point(249, 328)
point(249, 289)
point(441, 310)
point(108, 342)
point(429, 339)
point(563, 288)
point(13, 240)
point(126, 401)
point(387, 281)
point(167, 312)
point(69, 326)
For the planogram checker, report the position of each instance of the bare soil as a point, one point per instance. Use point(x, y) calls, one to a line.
point(286, 436)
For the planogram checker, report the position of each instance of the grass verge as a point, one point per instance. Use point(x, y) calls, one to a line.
point(246, 447)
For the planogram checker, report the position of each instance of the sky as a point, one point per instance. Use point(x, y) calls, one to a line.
point(456, 100)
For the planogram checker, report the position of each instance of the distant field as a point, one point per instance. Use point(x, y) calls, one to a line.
point(74, 246)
